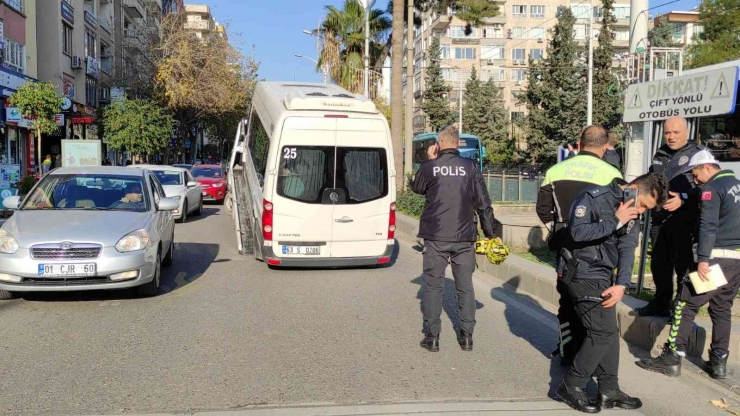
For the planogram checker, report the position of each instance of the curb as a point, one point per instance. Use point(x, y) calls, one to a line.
point(538, 281)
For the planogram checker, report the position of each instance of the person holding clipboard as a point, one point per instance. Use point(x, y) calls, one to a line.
point(717, 277)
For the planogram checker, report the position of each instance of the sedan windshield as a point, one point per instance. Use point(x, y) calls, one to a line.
point(92, 192)
point(168, 177)
point(208, 173)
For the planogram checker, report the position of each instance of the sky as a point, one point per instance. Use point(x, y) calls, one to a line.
point(275, 28)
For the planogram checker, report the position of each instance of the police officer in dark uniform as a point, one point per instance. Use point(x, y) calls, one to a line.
point(674, 223)
point(455, 191)
point(604, 233)
point(718, 244)
point(563, 183)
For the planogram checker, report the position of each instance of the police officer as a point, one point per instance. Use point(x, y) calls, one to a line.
point(563, 182)
point(455, 191)
point(611, 156)
point(603, 234)
point(674, 223)
point(718, 244)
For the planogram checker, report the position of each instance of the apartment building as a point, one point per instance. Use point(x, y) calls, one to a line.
point(686, 26)
point(199, 20)
point(501, 49)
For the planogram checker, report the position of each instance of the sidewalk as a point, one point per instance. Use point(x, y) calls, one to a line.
point(647, 333)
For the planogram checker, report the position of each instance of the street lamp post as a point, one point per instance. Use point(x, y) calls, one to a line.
point(323, 70)
point(367, 5)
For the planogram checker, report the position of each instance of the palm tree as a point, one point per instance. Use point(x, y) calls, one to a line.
point(343, 33)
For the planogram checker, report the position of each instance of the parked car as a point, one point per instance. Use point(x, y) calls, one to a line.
point(86, 229)
point(213, 181)
point(179, 184)
point(186, 166)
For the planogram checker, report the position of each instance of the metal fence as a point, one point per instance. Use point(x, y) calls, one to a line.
point(514, 183)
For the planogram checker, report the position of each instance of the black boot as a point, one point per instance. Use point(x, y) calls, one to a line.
point(465, 341)
point(668, 363)
point(430, 343)
point(617, 398)
point(577, 399)
point(716, 367)
point(655, 309)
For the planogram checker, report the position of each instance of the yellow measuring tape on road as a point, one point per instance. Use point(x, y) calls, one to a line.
point(495, 250)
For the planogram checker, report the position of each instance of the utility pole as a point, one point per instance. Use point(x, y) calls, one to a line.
point(367, 48)
point(590, 98)
point(408, 140)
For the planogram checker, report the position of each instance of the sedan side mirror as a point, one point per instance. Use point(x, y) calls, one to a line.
point(192, 184)
point(168, 204)
point(12, 202)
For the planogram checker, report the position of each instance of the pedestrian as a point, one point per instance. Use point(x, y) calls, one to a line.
point(455, 191)
point(46, 165)
point(604, 233)
point(675, 222)
point(611, 156)
point(718, 243)
point(128, 162)
point(563, 183)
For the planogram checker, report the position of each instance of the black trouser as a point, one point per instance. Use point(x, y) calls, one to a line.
point(720, 309)
point(599, 353)
point(672, 251)
point(462, 257)
point(570, 331)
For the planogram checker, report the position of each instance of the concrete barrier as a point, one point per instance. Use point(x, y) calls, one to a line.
point(538, 281)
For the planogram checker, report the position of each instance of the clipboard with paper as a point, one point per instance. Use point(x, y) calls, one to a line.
point(716, 280)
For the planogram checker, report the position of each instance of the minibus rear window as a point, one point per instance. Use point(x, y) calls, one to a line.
point(307, 171)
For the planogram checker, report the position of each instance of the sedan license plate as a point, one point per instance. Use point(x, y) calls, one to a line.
point(303, 250)
point(67, 270)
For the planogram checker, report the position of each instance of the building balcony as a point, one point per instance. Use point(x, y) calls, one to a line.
point(493, 62)
point(134, 8)
point(441, 21)
point(199, 25)
point(197, 8)
point(500, 19)
point(465, 41)
point(623, 22)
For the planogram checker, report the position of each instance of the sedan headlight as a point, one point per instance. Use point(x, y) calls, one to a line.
point(8, 245)
point(134, 241)
point(176, 197)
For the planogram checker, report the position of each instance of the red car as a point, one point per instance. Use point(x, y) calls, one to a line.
point(212, 180)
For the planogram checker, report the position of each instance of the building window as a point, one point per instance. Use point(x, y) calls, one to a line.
point(518, 54)
point(518, 32)
point(67, 39)
point(622, 11)
point(580, 32)
point(678, 32)
point(465, 53)
point(15, 56)
point(698, 30)
point(518, 74)
point(537, 11)
point(91, 92)
point(537, 54)
point(417, 66)
point(493, 32)
point(492, 52)
point(494, 74)
point(459, 32)
point(90, 44)
point(519, 11)
point(537, 33)
point(17, 5)
point(622, 34)
point(580, 11)
point(417, 83)
point(444, 51)
point(106, 58)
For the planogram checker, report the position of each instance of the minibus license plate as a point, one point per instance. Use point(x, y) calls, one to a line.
point(67, 270)
point(304, 250)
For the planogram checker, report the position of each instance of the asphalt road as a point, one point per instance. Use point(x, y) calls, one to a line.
point(227, 333)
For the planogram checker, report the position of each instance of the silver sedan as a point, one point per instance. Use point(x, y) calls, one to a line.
point(88, 229)
point(179, 184)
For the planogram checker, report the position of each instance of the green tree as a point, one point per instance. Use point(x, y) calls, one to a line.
point(435, 104)
point(485, 115)
point(39, 102)
point(555, 96)
point(607, 106)
point(720, 41)
point(343, 33)
point(141, 127)
point(661, 36)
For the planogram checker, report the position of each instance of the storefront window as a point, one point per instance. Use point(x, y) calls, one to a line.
point(14, 145)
